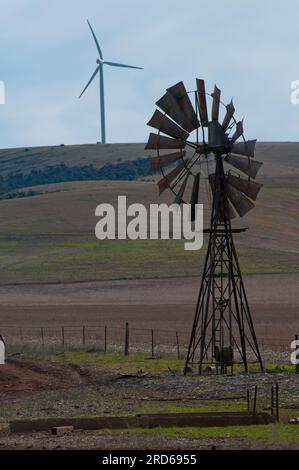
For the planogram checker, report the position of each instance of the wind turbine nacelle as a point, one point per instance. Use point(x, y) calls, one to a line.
point(99, 61)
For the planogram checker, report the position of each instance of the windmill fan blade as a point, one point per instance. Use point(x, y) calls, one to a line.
point(250, 188)
point(202, 102)
point(194, 195)
point(216, 103)
point(116, 64)
point(240, 202)
point(179, 197)
point(232, 213)
point(164, 183)
point(165, 160)
point(230, 109)
point(180, 94)
point(238, 132)
point(248, 166)
point(95, 40)
point(90, 80)
point(216, 135)
point(244, 148)
point(170, 106)
point(164, 124)
point(156, 141)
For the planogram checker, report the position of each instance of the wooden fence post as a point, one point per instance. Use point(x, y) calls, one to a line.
point(277, 401)
point(254, 400)
point(127, 339)
point(272, 400)
point(62, 336)
point(177, 345)
point(248, 400)
point(42, 336)
point(105, 339)
point(83, 335)
point(297, 365)
point(153, 344)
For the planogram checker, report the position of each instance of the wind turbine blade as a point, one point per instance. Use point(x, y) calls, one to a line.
point(95, 40)
point(116, 64)
point(91, 79)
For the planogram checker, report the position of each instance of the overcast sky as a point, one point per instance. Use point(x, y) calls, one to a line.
point(250, 49)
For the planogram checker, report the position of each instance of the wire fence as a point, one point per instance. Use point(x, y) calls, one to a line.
point(122, 338)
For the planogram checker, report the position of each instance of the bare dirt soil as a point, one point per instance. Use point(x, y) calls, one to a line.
point(154, 303)
point(41, 389)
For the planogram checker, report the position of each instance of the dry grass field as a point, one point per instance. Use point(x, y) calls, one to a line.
point(53, 271)
point(49, 239)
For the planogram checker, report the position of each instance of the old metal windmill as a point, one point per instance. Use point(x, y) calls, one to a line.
point(222, 330)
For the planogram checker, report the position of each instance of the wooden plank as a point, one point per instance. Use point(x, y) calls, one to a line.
point(59, 430)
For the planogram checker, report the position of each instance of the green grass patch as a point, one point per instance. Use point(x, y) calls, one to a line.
point(139, 361)
point(72, 259)
point(200, 406)
point(134, 362)
point(274, 433)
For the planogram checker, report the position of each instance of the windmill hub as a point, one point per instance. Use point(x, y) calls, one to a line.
point(222, 327)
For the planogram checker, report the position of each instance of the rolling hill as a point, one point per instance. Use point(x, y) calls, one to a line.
point(26, 159)
point(280, 158)
point(49, 237)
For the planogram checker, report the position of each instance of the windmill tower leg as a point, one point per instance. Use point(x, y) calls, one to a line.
point(222, 323)
point(102, 105)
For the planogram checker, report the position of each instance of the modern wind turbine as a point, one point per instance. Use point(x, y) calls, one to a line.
point(100, 70)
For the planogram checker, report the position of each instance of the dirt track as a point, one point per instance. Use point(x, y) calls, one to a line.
point(156, 303)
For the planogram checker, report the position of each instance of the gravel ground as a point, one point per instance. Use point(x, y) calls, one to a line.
point(31, 389)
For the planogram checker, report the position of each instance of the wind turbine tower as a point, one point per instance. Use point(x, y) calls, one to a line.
point(100, 71)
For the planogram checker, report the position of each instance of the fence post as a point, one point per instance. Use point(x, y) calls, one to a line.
point(153, 344)
point(62, 336)
point(297, 365)
point(42, 336)
point(127, 339)
point(177, 345)
point(272, 400)
point(254, 400)
point(83, 335)
point(105, 339)
point(248, 400)
point(277, 401)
